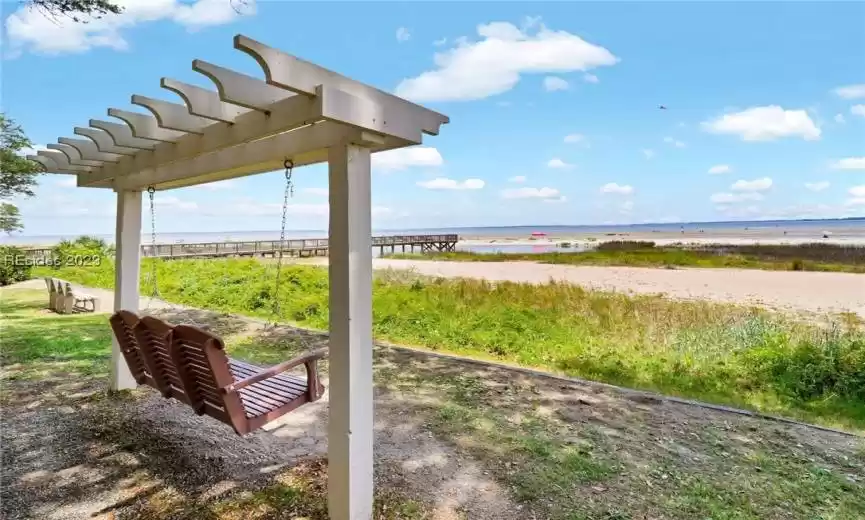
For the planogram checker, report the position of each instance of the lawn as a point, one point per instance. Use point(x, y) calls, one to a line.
point(805, 257)
point(561, 451)
point(723, 354)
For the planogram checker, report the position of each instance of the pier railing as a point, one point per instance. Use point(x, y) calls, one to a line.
point(293, 247)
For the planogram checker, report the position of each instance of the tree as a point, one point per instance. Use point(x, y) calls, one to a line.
point(10, 218)
point(75, 8)
point(17, 174)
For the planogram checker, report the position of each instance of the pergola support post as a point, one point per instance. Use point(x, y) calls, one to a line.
point(350, 433)
point(127, 267)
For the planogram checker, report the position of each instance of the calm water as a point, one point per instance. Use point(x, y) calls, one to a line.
point(793, 227)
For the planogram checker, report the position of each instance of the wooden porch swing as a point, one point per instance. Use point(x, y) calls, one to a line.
point(189, 364)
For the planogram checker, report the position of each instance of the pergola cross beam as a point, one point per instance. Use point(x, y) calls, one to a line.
point(300, 112)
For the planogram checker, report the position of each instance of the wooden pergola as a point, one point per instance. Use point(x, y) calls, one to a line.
point(303, 113)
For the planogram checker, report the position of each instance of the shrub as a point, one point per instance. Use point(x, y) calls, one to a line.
point(625, 245)
point(12, 271)
point(83, 246)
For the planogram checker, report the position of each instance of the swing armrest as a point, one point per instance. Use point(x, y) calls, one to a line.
point(309, 359)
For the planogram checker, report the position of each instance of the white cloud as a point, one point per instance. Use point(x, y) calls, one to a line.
point(590, 78)
point(765, 124)
point(24, 152)
point(254, 208)
point(493, 65)
point(719, 169)
point(575, 138)
point(648, 153)
point(674, 142)
point(532, 193)
point(756, 185)
point(440, 42)
point(839, 118)
point(857, 194)
point(403, 158)
point(851, 91)
point(318, 192)
point(69, 181)
point(173, 203)
point(442, 183)
point(730, 198)
point(558, 164)
point(850, 163)
point(402, 34)
point(617, 189)
point(519, 179)
point(553, 83)
point(817, 186)
point(858, 110)
point(31, 29)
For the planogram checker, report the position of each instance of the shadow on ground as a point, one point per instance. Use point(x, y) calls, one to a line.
point(454, 440)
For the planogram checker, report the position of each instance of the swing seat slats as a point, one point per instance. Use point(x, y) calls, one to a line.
point(189, 364)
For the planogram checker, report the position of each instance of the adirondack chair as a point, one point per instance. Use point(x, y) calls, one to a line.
point(52, 293)
point(189, 364)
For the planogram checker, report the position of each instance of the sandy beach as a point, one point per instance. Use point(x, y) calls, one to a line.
point(847, 235)
point(811, 292)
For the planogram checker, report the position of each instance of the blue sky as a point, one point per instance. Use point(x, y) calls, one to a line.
point(553, 106)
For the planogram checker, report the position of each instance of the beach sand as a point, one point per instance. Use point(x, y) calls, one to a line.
point(848, 235)
point(792, 291)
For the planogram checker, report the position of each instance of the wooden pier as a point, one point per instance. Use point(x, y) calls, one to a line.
point(307, 247)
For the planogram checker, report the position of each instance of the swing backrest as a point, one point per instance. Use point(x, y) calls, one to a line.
point(123, 323)
point(154, 338)
point(204, 368)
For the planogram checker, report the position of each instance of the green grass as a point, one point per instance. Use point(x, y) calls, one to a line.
point(719, 353)
point(778, 258)
point(557, 460)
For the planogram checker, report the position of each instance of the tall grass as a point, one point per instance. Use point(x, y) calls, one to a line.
point(804, 257)
point(720, 353)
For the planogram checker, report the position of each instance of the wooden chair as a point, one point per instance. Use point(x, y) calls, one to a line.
point(52, 293)
point(190, 365)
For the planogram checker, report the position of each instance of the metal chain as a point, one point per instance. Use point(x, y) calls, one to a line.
point(155, 294)
point(289, 192)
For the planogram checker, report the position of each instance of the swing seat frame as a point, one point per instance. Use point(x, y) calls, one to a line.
point(189, 365)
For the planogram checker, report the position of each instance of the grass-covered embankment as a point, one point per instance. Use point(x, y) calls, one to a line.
point(804, 257)
point(719, 353)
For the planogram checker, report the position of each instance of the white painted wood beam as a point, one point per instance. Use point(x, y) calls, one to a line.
point(104, 141)
point(74, 155)
point(127, 247)
point(46, 162)
point(89, 151)
point(350, 427)
point(241, 89)
point(171, 115)
point(292, 73)
point(286, 114)
point(121, 134)
point(204, 103)
point(62, 161)
point(145, 127)
point(304, 146)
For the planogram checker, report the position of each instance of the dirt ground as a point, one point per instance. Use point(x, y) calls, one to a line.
point(466, 440)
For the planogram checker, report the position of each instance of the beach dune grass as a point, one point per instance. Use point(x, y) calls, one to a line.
point(720, 353)
point(801, 257)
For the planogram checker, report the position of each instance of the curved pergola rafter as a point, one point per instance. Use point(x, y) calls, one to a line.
point(142, 149)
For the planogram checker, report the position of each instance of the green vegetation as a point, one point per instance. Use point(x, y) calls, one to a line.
point(12, 266)
point(559, 453)
point(83, 250)
point(805, 257)
point(719, 353)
